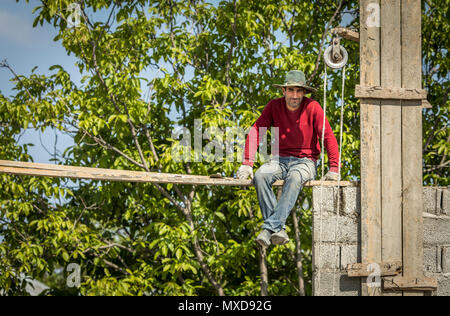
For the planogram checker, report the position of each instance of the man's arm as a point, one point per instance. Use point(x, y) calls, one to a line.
point(253, 137)
point(330, 141)
point(252, 142)
point(251, 146)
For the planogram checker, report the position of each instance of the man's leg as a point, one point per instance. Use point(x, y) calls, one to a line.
point(264, 179)
point(299, 171)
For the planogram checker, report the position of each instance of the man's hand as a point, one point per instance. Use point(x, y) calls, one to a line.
point(244, 172)
point(331, 176)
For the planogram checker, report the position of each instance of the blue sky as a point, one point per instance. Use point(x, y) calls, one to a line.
point(25, 47)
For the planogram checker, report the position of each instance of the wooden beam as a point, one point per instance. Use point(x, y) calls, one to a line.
point(365, 269)
point(426, 104)
point(99, 174)
point(383, 93)
point(370, 142)
point(391, 93)
point(412, 142)
point(409, 284)
point(346, 33)
point(391, 130)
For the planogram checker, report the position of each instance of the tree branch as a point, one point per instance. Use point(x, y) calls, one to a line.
point(106, 145)
point(4, 64)
point(437, 167)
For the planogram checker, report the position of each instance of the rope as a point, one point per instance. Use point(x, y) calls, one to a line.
point(339, 179)
point(322, 176)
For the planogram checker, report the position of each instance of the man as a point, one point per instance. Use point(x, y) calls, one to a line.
point(300, 123)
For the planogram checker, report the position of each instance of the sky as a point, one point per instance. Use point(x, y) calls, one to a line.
point(25, 47)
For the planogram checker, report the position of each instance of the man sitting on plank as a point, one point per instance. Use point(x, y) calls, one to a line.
point(300, 123)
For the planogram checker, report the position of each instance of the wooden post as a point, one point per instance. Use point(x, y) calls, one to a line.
point(391, 142)
point(412, 142)
point(370, 139)
point(391, 134)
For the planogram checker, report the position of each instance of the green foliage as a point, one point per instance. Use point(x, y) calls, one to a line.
point(436, 67)
point(216, 63)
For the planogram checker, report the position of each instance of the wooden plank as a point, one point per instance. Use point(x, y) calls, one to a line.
point(370, 142)
point(364, 270)
point(391, 133)
point(412, 142)
point(346, 33)
point(122, 176)
point(386, 91)
point(73, 172)
point(409, 284)
point(412, 186)
point(426, 104)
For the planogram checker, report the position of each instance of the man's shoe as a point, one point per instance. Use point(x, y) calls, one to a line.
point(280, 238)
point(264, 238)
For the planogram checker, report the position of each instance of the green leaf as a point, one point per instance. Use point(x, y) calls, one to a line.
point(178, 253)
point(65, 256)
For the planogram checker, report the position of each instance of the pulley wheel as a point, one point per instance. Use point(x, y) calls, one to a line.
point(329, 60)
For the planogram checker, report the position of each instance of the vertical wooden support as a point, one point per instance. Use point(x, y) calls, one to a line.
point(412, 142)
point(391, 134)
point(370, 139)
point(391, 144)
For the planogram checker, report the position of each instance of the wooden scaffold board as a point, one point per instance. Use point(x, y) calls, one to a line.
point(71, 172)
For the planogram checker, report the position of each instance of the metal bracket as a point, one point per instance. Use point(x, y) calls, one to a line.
point(336, 55)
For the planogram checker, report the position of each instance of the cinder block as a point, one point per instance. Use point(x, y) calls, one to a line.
point(336, 285)
point(342, 229)
point(445, 207)
point(431, 259)
point(326, 256)
point(349, 255)
point(429, 200)
point(443, 285)
point(323, 199)
point(351, 201)
point(445, 259)
point(327, 198)
point(330, 256)
point(436, 231)
point(439, 195)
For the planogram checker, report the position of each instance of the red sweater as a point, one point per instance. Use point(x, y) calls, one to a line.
point(300, 132)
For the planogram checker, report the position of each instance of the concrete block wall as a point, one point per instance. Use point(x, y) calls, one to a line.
point(337, 239)
point(437, 237)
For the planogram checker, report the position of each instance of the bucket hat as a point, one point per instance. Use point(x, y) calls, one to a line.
point(295, 78)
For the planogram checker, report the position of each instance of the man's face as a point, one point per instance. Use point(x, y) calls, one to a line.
point(294, 96)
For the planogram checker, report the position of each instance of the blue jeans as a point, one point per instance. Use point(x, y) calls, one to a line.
point(295, 172)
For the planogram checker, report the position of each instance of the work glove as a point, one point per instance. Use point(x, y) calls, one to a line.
point(244, 172)
point(331, 176)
